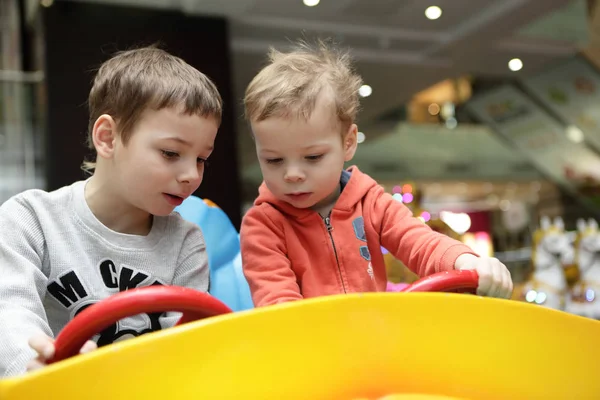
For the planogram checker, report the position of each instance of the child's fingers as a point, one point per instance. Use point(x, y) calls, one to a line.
point(485, 279)
point(43, 345)
point(507, 283)
point(502, 282)
point(494, 278)
point(498, 285)
point(88, 346)
point(34, 365)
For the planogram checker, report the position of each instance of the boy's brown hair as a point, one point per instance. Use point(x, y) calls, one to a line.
point(291, 83)
point(148, 78)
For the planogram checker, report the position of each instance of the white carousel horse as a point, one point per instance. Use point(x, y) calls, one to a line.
point(583, 299)
point(552, 248)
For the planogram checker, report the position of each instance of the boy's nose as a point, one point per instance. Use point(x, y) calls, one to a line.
point(191, 175)
point(294, 175)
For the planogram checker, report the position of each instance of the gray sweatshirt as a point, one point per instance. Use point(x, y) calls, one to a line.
point(56, 259)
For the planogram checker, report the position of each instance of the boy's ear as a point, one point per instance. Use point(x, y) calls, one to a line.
point(104, 136)
point(350, 142)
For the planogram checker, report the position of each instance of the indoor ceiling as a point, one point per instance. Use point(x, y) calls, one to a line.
point(399, 52)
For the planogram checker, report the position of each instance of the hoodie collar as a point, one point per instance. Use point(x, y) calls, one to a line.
point(354, 185)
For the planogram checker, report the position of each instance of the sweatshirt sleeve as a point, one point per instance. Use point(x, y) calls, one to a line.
point(420, 248)
point(264, 260)
point(22, 285)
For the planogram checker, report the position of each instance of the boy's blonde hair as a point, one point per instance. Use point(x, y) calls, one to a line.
point(148, 78)
point(291, 83)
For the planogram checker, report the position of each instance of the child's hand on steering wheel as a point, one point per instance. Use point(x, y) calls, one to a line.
point(44, 347)
point(494, 277)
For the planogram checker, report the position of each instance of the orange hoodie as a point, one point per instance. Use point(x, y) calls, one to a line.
point(290, 253)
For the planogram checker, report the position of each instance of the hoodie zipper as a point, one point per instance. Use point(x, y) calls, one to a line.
point(327, 221)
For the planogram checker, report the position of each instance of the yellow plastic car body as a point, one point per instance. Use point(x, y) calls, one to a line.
point(401, 346)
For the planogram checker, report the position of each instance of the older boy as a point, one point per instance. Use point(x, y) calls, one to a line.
point(153, 122)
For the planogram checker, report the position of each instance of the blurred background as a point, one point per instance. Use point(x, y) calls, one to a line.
point(482, 116)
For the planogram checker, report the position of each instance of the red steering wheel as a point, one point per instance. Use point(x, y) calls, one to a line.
point(193, 304)
point(461, 281)
point(198, 305)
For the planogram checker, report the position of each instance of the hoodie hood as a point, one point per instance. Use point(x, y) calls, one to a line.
point(355, 186)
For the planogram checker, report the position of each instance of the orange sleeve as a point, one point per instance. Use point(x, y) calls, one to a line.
point(264, 261)
point(420, 248)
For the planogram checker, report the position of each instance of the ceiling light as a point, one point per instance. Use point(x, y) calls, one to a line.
point(311, 3)
point(515, 64)
point(365, 91)
point(433, 12)
point(360, 137)
point(575, 134)
point(458, 222)
point(434, 109)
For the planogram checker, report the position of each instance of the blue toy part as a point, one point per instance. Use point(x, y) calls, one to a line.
point(227, 281)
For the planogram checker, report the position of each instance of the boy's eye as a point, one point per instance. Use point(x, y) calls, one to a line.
point(203, 161)
point(169, 154)
point(315, 157)
point(274, 160)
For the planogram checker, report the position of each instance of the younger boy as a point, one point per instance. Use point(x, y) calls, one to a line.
point(153, 122)
point(317, 229)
